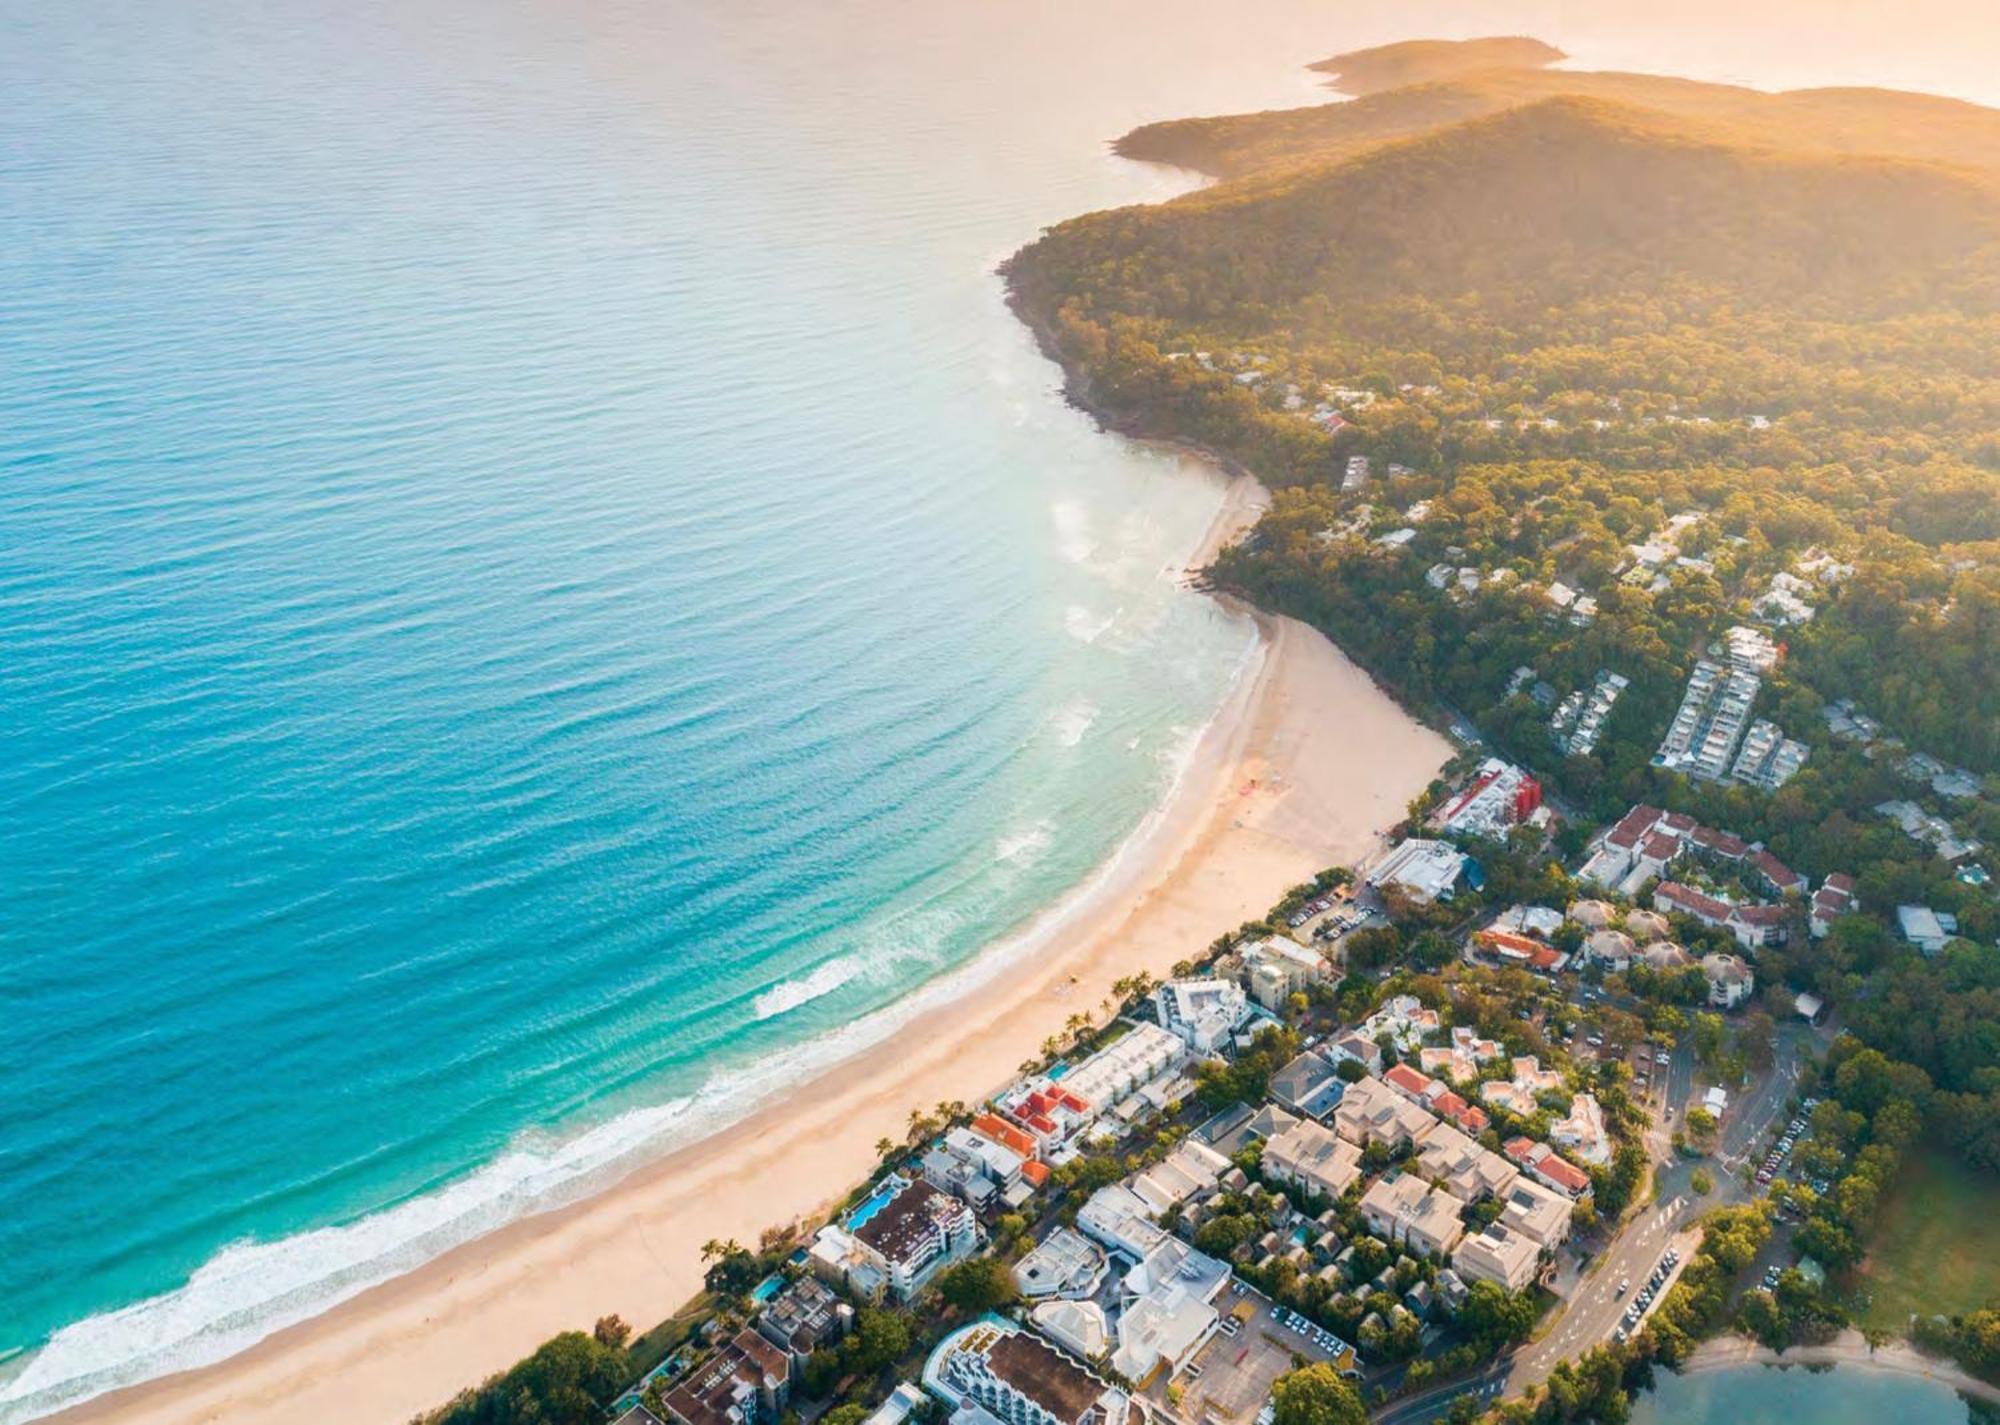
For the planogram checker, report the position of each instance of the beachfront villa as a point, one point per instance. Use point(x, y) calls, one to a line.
point(896, 1241)
point(1204, 1014)
point(747, 1381)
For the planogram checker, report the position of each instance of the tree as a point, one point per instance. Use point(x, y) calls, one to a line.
point(879, 1339)
point(978, 1284)
point(1494, 1316)
point(1316, 1395)
point(611, 1331)
point(567, 1381)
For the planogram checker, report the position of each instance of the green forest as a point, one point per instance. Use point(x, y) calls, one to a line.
point(1560, 374)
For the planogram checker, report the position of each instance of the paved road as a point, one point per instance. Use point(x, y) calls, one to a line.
point(1595, 1308)
point(1436, 1403)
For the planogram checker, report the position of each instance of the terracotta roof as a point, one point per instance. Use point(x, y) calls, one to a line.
point(1776, 871)
point(1408, 1079)
point(1692, 901)
point(999, 1130)
point(1720, 843)
point(1633, 825)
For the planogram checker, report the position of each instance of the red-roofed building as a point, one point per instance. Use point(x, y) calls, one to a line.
point(1633, 827)
point(1756, 926)
point(1548, 1167)
point(1409, 1083)
point(1447, 1104)
point(997, 1129)
point(1035, 1173)
point(1782, 879)
point(1718, 844)
point(1673, 898)
point(1833, 899)
point(1511, 949)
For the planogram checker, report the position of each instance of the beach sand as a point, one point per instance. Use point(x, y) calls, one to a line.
point(1301, 770)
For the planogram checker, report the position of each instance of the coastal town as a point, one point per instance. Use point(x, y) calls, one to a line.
point(1436, 1129)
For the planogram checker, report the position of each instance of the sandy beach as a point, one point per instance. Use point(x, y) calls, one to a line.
point(1850, 1349)
point(1300, 770)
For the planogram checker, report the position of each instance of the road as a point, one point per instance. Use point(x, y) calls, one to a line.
point(1595, 1308)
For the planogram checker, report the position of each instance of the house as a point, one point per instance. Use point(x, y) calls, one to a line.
point(1593, 915)
point(1050, 1114)
point(1506, 947)
point(1203, 1014)
point(1612, 949)
point(1063, 1264)
point(1506, 1259)
point(960, 1176)
point(1583, 1133)
point(1018, 1378)
point(1372, 1112)
point(996, 1160)
point(1532, 920)
point(803, 1317)
point(1359, 1048)
point(1189, 1169)
point(1645, 926)
point(1280, 967)
point(1536, 1212)
point(748, 1380)
point(1834, 898)
point(1548, 1167)
point(1314, 1158)
point(1666, 955)
point(1461, 1167)
point(913, 1232)
point(1308, 1085)
point(1730, 981)
point(1425, 871)
point(1407, 1211)
point(1924, 928)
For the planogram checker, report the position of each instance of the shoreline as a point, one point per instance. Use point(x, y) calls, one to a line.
point(1267, 799)
point(1849, 1350)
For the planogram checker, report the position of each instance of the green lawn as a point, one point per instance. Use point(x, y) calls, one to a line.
point(1938, 1244)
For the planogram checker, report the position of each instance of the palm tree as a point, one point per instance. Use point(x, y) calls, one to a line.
point(884, 1147)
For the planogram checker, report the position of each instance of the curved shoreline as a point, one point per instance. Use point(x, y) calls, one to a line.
point(1270, 795)
point(1849, 1351)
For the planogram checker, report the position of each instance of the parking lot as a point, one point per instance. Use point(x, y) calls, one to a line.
point(1230, 1378)
point(1641, 1295)
point(1778, 1159)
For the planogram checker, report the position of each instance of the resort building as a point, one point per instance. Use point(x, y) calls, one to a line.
point(1834, 898)
point(1079, 1327)
point(908, 1231)
point(1730, 981)
point(1539, 1213)
point(1063, 1264)
point(1613, 949)
point(1409, 1212)
point(1425, 871)
point(803, 1317)
point(1020, 1379)
point(1501, 796)
point(1141, 1054)
point(1548, 1167)
point(1166, 1312)
point(1371, 1112)
point(1459, 1166)
point(1119, 1218)
point(1191, 1168)
point(1583, 1133)
point(1507, 1259)
point(1203, 1014)
point(1315, 1159)
point(1308, 1085)
point(1279, 967)
point(748, 1381)
point(1507, 947)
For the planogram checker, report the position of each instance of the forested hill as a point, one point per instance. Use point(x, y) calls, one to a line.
point(1555, 334)
point(1551, 202)
point(1369, 71)
point(1881, 122)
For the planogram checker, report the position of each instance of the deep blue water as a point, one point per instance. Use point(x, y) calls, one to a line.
point(536, 573)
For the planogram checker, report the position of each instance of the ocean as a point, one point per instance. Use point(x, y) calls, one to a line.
point(540, 584)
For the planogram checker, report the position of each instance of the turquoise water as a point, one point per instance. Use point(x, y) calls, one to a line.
point(539, 582)
point(542, 593)
point(1759, 1395)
